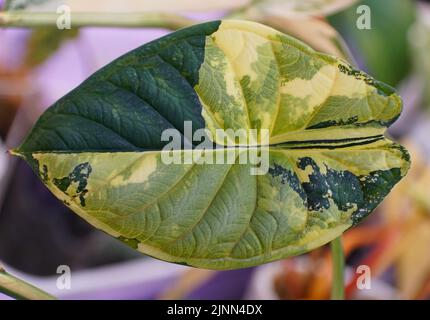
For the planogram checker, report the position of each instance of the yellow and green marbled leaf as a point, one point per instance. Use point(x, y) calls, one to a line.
point(98, 149)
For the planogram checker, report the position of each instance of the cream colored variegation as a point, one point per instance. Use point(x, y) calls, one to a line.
point(211, 216)
point(274, 97)
point(329, 164)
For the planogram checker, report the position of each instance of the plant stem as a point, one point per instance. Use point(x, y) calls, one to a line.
point(19, 289)
point(83, 19)
point(338, 284)
point(337, 255)
point(338, 259)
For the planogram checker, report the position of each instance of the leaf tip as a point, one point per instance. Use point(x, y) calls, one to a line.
point(15, 152)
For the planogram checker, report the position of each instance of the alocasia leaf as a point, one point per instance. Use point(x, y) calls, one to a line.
point(98, 149)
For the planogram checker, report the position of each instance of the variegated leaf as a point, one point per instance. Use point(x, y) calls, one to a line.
point(98, 149)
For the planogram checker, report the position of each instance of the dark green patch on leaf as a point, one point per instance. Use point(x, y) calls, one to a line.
point(44, 41)
point(376, 187)
point(287, 176)
point(44, 174)
point(341, 186)
point(129, 103)
point(79, 175)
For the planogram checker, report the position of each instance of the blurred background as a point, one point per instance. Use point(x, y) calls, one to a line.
point(39, 65)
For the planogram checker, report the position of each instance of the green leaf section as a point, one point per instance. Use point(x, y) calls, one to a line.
point(128, 104)
point(21, 4)
point(390, 23)
point(44, 41)
point(219, 216)
point(328, 164)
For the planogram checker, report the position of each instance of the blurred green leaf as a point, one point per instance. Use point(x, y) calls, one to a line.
point(44, 41)
point(383, 49)
point(20, 4)
point(420, 44)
